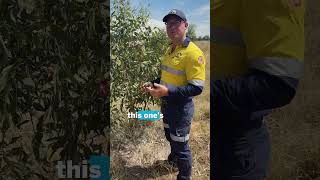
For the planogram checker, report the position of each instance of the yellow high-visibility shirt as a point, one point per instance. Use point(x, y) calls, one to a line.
point(267, 35)
point(186, 64)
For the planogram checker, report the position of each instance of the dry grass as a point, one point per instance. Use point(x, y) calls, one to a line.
point(139, 158)
point(295, 129)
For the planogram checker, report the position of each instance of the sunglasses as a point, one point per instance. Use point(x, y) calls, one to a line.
point(173, 23)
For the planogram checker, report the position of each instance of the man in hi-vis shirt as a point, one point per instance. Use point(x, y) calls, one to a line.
point(182, 78)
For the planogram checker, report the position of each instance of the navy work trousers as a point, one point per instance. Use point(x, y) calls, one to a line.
point(177, 123)
point(241, 152)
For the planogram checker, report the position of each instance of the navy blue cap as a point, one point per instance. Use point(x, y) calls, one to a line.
point(175, 12)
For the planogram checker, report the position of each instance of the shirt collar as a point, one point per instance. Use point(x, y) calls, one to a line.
point(185, 42)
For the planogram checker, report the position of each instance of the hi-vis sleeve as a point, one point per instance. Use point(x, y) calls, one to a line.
point(195, 69)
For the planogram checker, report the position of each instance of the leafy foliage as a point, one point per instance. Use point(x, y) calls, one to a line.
point(136, 49)
point(191, 32)
point(204, 38)
point(54, 81)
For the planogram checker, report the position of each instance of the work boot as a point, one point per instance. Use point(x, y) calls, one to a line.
point(183, 177)
point(168, 164)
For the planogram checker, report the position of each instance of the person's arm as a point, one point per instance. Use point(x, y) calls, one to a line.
point(189, 90)
point(254, 92)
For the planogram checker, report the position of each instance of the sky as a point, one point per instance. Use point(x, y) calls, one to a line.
point(196, 11)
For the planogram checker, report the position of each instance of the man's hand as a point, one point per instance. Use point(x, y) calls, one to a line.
point(145, 86)
point(158, 90)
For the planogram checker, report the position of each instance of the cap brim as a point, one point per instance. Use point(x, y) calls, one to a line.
point(165, 18)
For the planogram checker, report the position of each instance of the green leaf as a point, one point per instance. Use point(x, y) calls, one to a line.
point(39, 105)
point(4, 77)
point(54, 138)
point(14, 139)
point(73, 94)
point(60, 143)
point(28, 82)
point(27, 5)
point(12, 16)
point(79, 79)
point(4, 53)
point(6, 122)
point(22, 123)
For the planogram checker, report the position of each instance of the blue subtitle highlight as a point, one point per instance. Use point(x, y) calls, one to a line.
point(103, 162)
point(151, 115)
